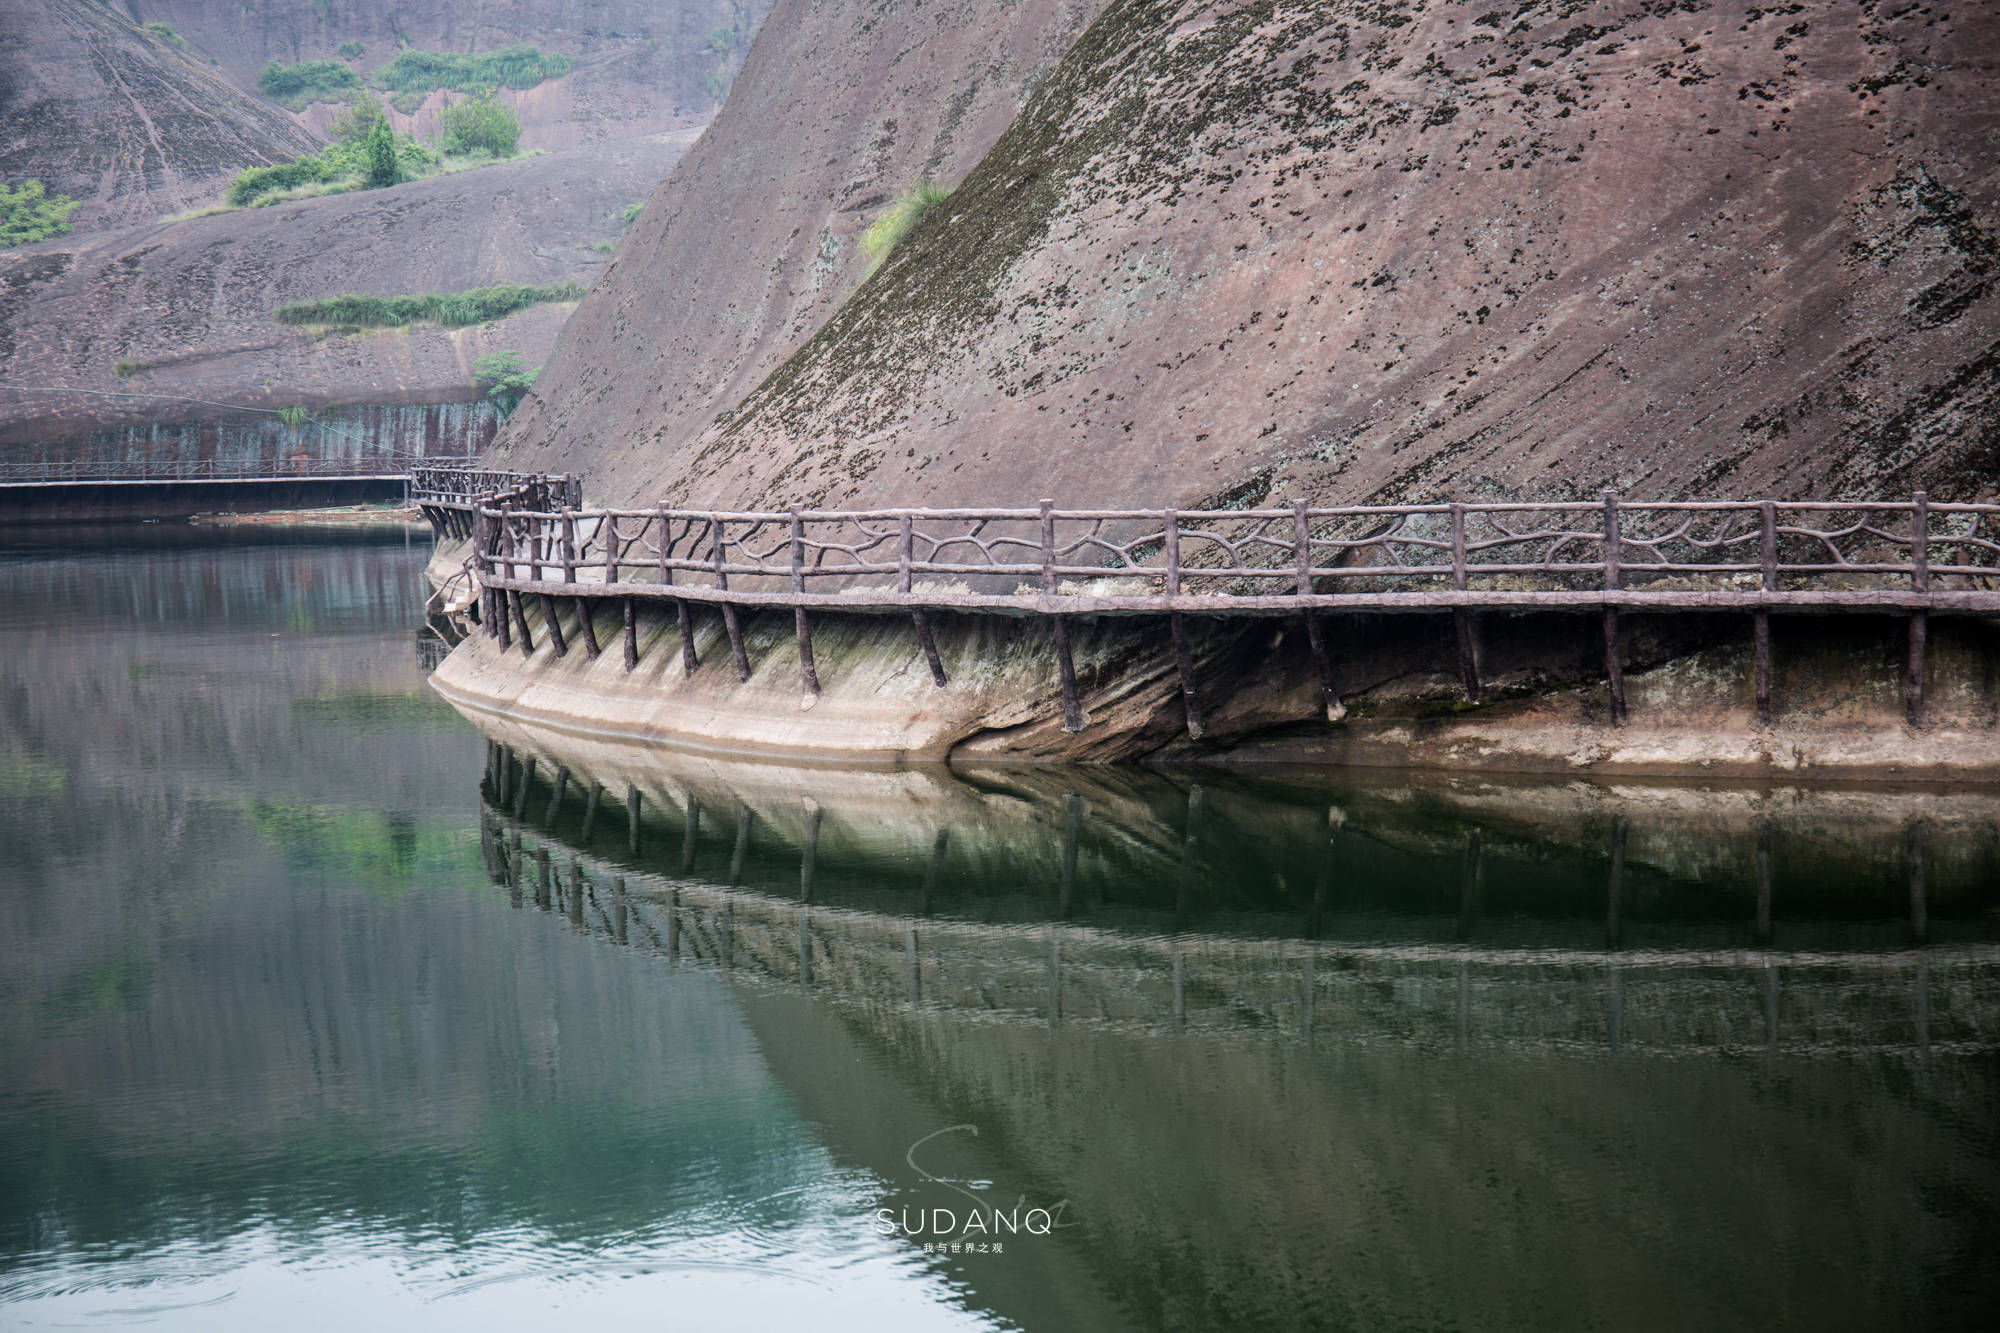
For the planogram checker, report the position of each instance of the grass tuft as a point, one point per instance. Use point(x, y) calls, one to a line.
point(905, 211)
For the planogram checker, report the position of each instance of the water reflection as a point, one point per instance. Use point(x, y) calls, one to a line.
point(1305, 1054)
point(319, 1005)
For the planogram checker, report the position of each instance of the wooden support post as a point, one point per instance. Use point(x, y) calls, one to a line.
point(631, 632)
point(632, 819)
point(736, 651)
point(1920, 581)
point(575, 896)
point(506, 777)
point(1768, 560)
point(521, 623)
point(1468, 663)
point(542, 878)
point(685, 623)
point(666, 579)
point(808, 672)
point(905, 548)
point(1073, 718)
point(583, 607)
point(608, 526)
point(1302, 559)
point(1614, 666)
point(521, 792)
point(1183, 656)
point(590, 813)
point(552, 613)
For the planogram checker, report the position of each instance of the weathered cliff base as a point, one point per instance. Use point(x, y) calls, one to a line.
point(1838, 691)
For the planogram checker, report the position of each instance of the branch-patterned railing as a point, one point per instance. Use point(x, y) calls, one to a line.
point(1910, 556)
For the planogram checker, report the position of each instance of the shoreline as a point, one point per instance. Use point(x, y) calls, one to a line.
point(1692, 715)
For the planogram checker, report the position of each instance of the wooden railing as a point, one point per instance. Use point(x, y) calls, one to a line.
point(1610, 555)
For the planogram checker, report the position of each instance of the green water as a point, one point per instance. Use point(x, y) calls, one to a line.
point(320, 1008)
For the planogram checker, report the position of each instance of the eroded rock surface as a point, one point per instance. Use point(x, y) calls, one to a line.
point(1355, 251)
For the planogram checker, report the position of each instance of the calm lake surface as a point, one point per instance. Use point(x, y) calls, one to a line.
point(322, 1008)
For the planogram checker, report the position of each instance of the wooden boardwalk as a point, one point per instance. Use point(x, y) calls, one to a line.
point(533, 539)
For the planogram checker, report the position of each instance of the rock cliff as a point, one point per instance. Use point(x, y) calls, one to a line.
point(1373, 250)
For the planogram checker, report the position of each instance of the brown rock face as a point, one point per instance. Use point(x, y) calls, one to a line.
point(1356, 251)
point(188, 306)
point(754, 240)
point(95, 107)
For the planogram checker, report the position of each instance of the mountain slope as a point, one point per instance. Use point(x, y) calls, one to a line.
point(95, 107)
point(1381, 250)
point(753, 240)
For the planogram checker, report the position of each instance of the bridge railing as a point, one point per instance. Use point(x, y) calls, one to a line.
point(1911, 556)
point(464, 487)
point(16, 472)
point(1262, 559)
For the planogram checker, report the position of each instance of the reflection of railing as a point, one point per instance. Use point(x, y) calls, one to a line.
point(1912, 557)
point(1057, 970)
point(64, 471)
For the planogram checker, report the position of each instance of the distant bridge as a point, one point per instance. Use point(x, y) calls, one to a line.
point(533, 540)
point(97, 488)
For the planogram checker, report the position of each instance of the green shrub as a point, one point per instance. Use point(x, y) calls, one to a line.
point(452, 310)
point(255, 183)
point(484, 124)
point(167, 35)
point(632, 212)
point(515, 67)
point(349, 50)
point(407, 103)
point(125, 370)
point(297, 86)
point(722, 41)
point(383, 167)
point(905, 211)
point(505, 378)
point(29, 214)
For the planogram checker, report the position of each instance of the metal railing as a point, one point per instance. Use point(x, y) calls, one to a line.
point(1610, 555)
point(65, 471)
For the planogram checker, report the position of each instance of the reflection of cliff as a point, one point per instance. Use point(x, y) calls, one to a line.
point(1217, 1184)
